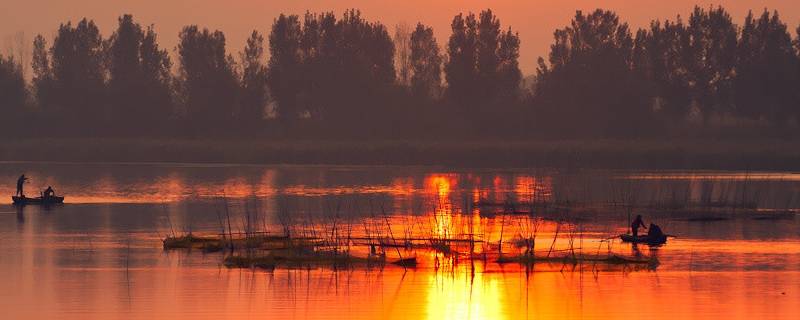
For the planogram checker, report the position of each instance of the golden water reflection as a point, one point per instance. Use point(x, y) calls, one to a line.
point(176, 187)
point(105, 261)
point(70, 283)
point(467, 296)
point(447, 192)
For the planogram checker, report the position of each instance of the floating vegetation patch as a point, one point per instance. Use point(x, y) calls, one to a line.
point(189, 241)
point(298, 258)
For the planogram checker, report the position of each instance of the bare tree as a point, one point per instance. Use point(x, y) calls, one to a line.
point(17, 47)
point(402, 58)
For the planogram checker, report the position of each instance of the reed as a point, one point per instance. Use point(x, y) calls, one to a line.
point(336, 238)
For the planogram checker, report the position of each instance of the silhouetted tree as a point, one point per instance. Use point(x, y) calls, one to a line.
point(328, 69)
point(483, 68)
point(124, 70)
point(78, 55)
point(797, 62)
point(350, 76)
point(488, 61)
point(284, 67)
point(589, 86)
point(365, 67)
point(710, 60)
point(156, 69)
point(366, 47)
point(42, 84)
point(13, 94)
point(254, 82)
point(659, 58)
point(13, 98)
point(319, 51)
point(139, 78)
point(426, 63)
point(766, 70)
point(509, 76)
point(461, 67)
point(207, 79)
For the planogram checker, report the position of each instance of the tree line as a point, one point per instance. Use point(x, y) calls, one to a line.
point(319, 75)
point(612, 81)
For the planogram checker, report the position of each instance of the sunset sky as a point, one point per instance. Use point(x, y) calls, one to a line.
point(535, 20)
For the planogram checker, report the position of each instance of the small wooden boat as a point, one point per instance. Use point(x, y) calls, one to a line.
point(646, 239)
point(38, 200)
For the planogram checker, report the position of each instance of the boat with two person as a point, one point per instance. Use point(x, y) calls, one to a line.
point(46, 197)
point(654, 237)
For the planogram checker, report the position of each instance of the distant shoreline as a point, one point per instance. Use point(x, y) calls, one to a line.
point(697, 154)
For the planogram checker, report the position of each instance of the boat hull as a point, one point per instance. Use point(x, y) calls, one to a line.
point(650, 240)
point(38, 200)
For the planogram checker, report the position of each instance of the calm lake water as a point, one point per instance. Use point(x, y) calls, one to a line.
point(736, 254)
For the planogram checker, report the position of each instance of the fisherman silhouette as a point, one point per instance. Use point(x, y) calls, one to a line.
point(636, 224)
point(20, 184)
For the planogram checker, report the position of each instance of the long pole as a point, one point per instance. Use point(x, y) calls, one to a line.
point(390, 232)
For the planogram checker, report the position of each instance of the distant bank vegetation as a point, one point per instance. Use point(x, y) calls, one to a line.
point(322, 75)
point(748, 155)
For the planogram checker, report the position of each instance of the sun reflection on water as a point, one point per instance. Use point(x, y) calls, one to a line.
point(463, 295)
point(57, 256)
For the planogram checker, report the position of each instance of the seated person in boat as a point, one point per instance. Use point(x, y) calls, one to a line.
point(654, 231)
point(636, 224)
point(49, 192)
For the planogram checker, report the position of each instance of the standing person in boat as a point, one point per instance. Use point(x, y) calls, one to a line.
point(20, 184)
point(636, 224)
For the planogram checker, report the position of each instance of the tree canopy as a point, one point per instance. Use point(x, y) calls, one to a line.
point(320, 74)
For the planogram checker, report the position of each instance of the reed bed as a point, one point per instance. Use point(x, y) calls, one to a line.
point(336, 239)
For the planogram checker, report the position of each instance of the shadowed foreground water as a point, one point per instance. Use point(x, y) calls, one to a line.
point(99, 256)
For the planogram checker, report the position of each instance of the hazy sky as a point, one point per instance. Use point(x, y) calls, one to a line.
point(534, 19)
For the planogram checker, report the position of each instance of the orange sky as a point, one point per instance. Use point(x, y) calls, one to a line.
point(535, 19)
